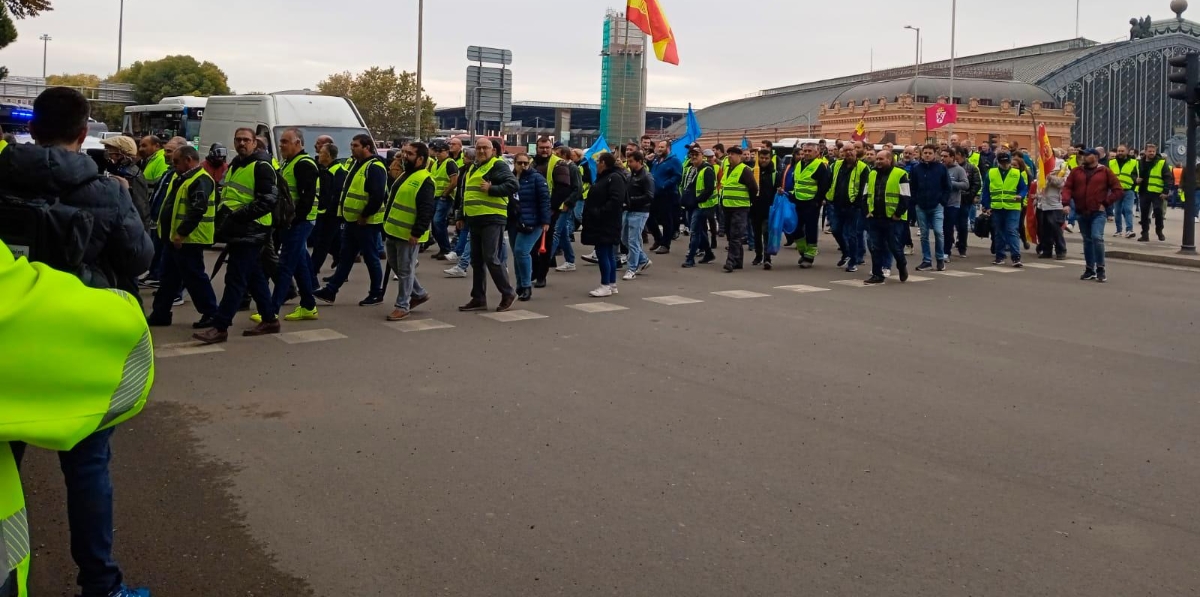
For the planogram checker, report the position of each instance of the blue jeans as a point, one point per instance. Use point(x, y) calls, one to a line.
point(441, 215)
point(1072, 217)
point(1124, 210)
point(564, 226)
point(294, 262)
point(887, 243)
point(698, 241)
point(462, 246)
point(1091, 228)
point(244, 272)
point(606, 258)
point(932, 220)
point(402, 259)
point(850, 230)
point(523, 258)
point(1005, 223)
point(631, 236)
point(365, 240)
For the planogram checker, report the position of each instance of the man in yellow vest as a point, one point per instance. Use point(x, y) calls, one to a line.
point(1155, 184)
point(327, 231)
point(1125, 166)
point(248, 199)
point(699, 194)
point(1004, 191)
point(445, 181)
point(737, 188)
point(186, 226)
point(887, 197)
point(808, 183)
point(484, 208)
point(406, 222)
point(154, 160)
point(845, 197)
point(363, 210)
point(87, 365)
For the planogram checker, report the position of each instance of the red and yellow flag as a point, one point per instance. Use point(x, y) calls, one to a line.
point(860, 130)
point(648, 16)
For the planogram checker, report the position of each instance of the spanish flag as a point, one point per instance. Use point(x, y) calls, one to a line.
point(860, 130)
point(648, 16)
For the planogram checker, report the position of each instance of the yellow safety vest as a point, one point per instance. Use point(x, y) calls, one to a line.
point(554, 160)
point(1072, 162)
point(402, 209)
point(238, 191)
point(855, 176)
point(805, 188)
point(1002, 188)
point(974, 158)
point(354, 199)
point(712, 199)
point(478, 203)
point(891, 190)
point(734, 193)
point(156, 167)
point(1154, 178)
point(203, 233)
point(1127, 173)
point(587, 184)
point(440, 178)
point(3, 145)
point(289, 176)
point(88, 365)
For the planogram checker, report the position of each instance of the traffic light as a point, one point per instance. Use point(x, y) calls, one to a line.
point(1185, 71)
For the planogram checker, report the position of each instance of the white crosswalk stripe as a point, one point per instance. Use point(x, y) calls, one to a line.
point(418, 325)
point(740, 294)
point(955, 273)
point(511, 316)
point(1035, 265)
point(183, 349)
point(1002, 269)
point(801, 288)
point(916, 278)
point(855, 283)
point(599, 307)
point(672, 300)
point(306, 336)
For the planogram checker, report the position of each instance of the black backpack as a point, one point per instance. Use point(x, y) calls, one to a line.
point(44, 230)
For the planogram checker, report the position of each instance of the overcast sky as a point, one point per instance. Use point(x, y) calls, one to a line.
point(555, 45)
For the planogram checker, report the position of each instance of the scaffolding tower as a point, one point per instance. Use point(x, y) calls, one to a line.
point(622, 80)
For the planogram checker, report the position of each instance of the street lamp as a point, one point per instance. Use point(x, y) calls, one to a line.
point(917, 63)
point(420, 49)
point(120, 35)
point(45, 48)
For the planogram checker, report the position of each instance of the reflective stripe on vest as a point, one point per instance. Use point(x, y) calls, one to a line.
point(354, 200)
point(1154, 178)
point(891, 191)
point(440, 178)
point(478, 203)
point(1126, 173)
point(587, 184)
point(1002, 188)
point(238, 191)
point(14, 551)
point(402, 209)
point(735, 194)
point(712, 199)
point(852, 186)
point(203, 233)
point(805, 188)
point(289, 176)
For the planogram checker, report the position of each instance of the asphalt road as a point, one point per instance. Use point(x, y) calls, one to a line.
point(1017, 433)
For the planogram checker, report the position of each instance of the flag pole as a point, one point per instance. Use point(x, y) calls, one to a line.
point(953, 26)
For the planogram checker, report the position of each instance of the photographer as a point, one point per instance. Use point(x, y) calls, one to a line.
point(120, 154)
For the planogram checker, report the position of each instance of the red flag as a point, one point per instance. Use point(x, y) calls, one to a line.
point(648, 16)
point(860, 130)
point(940, 115)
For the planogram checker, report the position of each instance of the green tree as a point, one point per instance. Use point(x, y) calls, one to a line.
point(73, 80)
point(22, 9)
point(153, 80)
point(386, 99)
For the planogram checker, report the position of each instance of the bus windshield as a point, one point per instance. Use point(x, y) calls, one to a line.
point(164, 122)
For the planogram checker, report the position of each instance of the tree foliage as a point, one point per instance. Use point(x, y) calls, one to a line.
point(22, 9)
point(73, 80)
point(153, 80)
point(386, 99)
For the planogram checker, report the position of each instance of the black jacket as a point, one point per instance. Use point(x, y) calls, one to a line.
point(602, 209)
point(307, 174)
point(504, 184)
point(692, 179)
point(425, 204)
point(376, 185)
point(760, 203)
point(331, 191)
point(194, 205)
point(641, 190)
point(119, 249)
point(240, 226)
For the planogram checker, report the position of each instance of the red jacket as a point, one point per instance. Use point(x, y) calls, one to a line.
point(1092, 190)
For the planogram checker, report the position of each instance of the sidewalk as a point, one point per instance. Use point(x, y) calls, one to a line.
point(1154, 251)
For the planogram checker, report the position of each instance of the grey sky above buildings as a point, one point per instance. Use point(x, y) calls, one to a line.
point(727, 50)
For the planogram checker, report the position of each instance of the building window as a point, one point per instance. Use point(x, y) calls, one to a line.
point(986, 102)
point(922, 99)
point(1048, 105)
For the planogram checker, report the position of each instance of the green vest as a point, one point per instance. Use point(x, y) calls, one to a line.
point(1154, 178)
point(89, 365)
point(354, 199)
point(156, 166)
point(1072, 161)
point(735, 194)
point(587, 184)
point(478, 203)
point(1126, 173)
point(855, 176)
point(203, 233)
point(714, 198)
point(289, 176)
point(891, 190)
point(805, 188)
point(1002, 188)
point(402, 209)
point(238, 191)
point(440, 178)
point(974, 158)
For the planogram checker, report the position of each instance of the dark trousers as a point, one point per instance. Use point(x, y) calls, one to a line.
point(1050, 233)
point(486, 238)
point(663, 222)
point(244, 272)
point(758, 235)
point(1151, 202)
point(156, 263)
point(886, 238)
point(848, 229)
point(365, 240)
point(949, 227)
point(735, 233)
point(808, 214)
point(541, 261)
point(89, 511)
point(294, 262)
point(183, 268)
point(326, 240)
point(962, 224)
point(698, 242)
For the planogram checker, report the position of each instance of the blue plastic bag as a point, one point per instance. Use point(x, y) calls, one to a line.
point(782, 219)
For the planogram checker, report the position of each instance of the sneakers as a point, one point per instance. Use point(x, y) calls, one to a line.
point(874, 280)
point(301, 314)
point(842, 262)
point(452, 257)
point(565, 267)
point(941, 266)
point(147, 282)
point(263, 329)
point(325, 295)
point(603, 290)
point(1116, 234)
point(643, 267)
point(689, 263)
point(1017, 264)
point(1130, 234)
point(887, 272)
point(613, 288)
point(925, 266)
point(629, 275)
point(178, 302)
point(1069, 229)
point(1101, 276)
point(371, 300)
point(590, 257)
point(622, 260)
point(1088, 275)
point(998, 261)
point(708, 258)
point(909, 250)
point(455, 272)
point(850, 269)
point(662, 250)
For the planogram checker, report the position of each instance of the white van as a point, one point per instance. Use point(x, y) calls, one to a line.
point(269, 115)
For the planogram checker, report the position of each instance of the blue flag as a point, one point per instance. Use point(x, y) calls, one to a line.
point(597, 148)
point(679, 147)
point(745, 142)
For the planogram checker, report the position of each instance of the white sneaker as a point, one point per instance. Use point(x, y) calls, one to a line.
point(613, 288)
point(1069, 229)
point(566, 267)
point(644, 266)
point(623, 260)
point(452, 257)
point(601, 291)
point(629, 275)
point(455, 272)
point(590, 257)
point(395, 278)
point(887, 272)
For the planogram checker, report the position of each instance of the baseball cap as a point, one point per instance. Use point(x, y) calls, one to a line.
point(708, 153)
point(1091, 151)
point(122, 144)
point(1003, 157)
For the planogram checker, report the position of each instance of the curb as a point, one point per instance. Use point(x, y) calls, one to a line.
point(1178, 260)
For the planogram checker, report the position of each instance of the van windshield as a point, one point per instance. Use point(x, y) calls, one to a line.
point(341, 137)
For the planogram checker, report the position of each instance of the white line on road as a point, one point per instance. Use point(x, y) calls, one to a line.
point(183, 349)
point(801, 288)
point(306, 336)
point(511, 316)
point(853, 283)
point(672, 300)
point(740, 294)
point(418, 325)
point(1042, 265)
point(1002, 269)
point(951, 273)
point(599, 307)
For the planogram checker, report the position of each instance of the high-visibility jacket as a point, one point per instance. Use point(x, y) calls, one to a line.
point(734, 193)
point(402, 209)
point(805, 188)
point(891, 191)
point(476, 202)
point(974, 158)
point(203, 233)
point(1154, 178)
point(1003, 188)
point(289, 176)
point(554, 160)
point(1126, 173)
point(3, 145)
point(441, 179)
point(860, 168)
point(587, 184)
point(354, 197)
point(712, 199)
point(156, 167)
point(238, 191)
point(87, 364)
point(1073, 161)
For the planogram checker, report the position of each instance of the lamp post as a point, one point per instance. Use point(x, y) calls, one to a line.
point(917, 64)
point(120, 35)
point(420, 49)
point(45, 49)
point(953, 27)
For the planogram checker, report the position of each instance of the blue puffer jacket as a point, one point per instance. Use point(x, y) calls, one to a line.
point(534, 197)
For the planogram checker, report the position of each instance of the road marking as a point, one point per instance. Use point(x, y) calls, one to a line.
point(599, 307)
point(1043, 266)
point(511, 316)
point(306, 336)
point(418, 325)
point(740, 294)
point(853, 283)
point(672, 300)
point(1075, 261)
point(1002, 269)
point(915, 278)
point(183, 349)
point(801, 288)
point(957, 274)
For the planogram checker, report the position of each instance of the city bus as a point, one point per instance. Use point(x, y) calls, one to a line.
point(170, 117)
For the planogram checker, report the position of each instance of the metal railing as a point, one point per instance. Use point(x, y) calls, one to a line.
point(28, 88)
